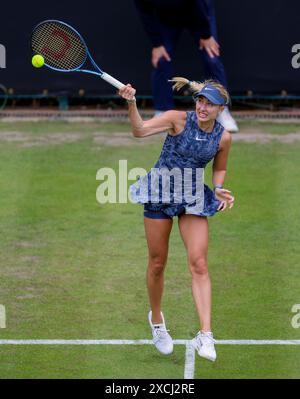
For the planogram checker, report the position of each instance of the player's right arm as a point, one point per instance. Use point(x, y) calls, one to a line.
point(141, 128)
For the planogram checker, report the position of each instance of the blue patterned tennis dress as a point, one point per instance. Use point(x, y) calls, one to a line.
point(187, 154)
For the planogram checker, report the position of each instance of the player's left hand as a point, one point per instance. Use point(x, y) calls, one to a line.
point(225, 197)
point(211, 46)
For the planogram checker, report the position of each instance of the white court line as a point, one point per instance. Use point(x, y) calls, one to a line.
point(141, 342)
point(84, 342)
point(257, 341)
point(189, 366)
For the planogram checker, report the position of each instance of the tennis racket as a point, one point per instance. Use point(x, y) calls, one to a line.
point(65, 50)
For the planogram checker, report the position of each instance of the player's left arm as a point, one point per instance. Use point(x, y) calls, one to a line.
point(219, 171)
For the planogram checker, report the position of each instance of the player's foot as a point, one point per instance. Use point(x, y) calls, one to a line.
point(227, 121)
point(161, 338)
point(204, 345)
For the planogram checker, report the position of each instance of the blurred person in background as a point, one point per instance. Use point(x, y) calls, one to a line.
point(164, 20)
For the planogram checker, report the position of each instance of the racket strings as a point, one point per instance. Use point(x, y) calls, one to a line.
point(60, 45)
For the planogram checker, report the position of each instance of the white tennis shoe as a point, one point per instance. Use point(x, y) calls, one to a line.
point(161, 338)
point(204, 345)
point(227, 121)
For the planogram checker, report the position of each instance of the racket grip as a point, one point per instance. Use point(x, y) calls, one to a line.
point(112, 81)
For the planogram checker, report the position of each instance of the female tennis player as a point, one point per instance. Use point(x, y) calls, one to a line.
point(194, 139)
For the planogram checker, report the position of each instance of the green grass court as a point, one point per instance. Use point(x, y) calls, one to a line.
point(74, 269)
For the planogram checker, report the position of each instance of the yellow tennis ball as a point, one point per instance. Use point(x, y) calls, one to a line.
point(38, 61)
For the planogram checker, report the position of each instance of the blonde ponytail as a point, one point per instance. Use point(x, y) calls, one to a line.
point(194, 86)
point(180, 82)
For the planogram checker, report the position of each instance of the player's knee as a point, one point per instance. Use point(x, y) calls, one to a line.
point(157, 264)
point(198, 266)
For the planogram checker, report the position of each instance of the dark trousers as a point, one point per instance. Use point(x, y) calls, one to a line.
point(214, 68)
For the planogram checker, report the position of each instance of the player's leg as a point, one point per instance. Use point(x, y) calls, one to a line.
point(194, 233)
point(162, 89)
point(157, 234)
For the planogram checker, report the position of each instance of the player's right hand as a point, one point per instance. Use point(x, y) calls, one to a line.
point(158, 53)
point(127, 92)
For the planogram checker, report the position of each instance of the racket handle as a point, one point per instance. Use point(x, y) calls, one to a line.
point(112, 81)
